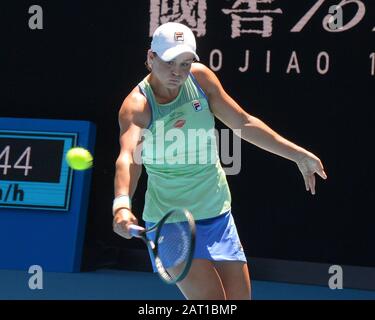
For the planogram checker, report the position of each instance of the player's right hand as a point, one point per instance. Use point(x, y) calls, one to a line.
point(122, 221)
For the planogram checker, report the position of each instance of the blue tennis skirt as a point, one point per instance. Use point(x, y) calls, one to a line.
point(216, 240)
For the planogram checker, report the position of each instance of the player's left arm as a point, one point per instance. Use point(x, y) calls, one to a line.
point(253, 129)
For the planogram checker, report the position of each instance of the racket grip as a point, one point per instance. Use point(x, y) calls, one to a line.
point(135, 230)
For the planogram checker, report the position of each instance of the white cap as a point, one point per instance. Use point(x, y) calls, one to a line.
point(171, 39)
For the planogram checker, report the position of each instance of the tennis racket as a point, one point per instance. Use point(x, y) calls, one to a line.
point(172, 243)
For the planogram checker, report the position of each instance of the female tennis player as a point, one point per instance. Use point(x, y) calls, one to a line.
point(179, 96)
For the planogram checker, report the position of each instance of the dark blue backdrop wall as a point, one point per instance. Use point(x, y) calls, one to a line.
point(311, 84)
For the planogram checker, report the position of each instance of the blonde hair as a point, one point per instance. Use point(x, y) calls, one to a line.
point(147, 64)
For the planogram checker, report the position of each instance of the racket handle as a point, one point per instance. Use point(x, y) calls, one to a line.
point(135, 230)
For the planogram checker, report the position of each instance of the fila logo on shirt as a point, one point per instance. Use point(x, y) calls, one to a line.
point(179, 36)
point(197, 105)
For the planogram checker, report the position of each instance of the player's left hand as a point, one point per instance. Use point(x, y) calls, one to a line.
point(309, 164)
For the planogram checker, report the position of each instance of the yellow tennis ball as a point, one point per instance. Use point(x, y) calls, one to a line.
point(79, 158)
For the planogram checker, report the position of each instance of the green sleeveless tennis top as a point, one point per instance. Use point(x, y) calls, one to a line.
point(180, 156)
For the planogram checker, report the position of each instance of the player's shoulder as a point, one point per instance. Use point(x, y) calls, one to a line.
point(200, 70)
point(135, 107)
point(205, 77)
point(134, 101)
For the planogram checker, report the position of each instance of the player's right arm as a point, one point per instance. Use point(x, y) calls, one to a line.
point(134, 116)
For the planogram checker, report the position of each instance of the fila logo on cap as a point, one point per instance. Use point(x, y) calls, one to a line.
point(197, 105)
point(179, 36)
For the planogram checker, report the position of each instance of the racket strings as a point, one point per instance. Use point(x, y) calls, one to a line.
point(174, 245)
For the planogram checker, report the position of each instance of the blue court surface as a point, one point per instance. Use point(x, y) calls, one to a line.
point(129, 285)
